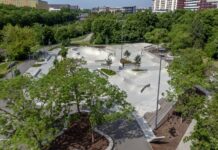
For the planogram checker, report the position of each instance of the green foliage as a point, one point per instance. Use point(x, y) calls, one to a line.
point(211, 47)
point(127, 54)
point(19, 42)
point(3, 69)
point(61, 34)
point(109, 28)
point(205, 135)
point(157, 35)
point(37, 110)
point(180, 37)
point(108, 72)
point(138, 60)
point(2, 56)
point(28, 16)
point(45, 35)
point(189, 67)
point(63, 52)
point(190, 104)
point(17, 72)
point(109, 61)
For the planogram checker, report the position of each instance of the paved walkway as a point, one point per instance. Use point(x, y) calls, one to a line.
point(127, 135)
point(23, 67)
point(186, 145)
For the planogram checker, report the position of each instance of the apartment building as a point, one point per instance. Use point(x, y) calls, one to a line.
point(39, 4)
point(171, 5)
point(200, 4)
point(129, 9)
point(192, 4)
point(164, 5)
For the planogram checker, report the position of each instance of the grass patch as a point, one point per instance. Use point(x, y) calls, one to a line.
point(125, 61)
point(215, 63)
point(3, 69)
point(36, 65)
point(108, 72)
point(78, 38)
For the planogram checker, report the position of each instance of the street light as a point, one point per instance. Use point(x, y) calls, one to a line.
point(122, 41)
point(158, 91)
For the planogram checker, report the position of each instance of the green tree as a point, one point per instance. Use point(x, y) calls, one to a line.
point(205, 135)
point(19, 42)
point(138, 60)
point(190, 67)
point(62, 34)
point(37, 110)
point(127, 54)
point(109, 62)
point(180, 37)
point(63, 52)
point(22, 122)
point(156, 36)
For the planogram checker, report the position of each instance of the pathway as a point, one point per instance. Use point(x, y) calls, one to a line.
point(127, 135)
point(187, 145)
point(23, 67)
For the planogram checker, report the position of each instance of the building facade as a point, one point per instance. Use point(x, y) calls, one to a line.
point(39, 4)
point(171, 5)
point(164, 5)
point(191, 4)
point(129, 9)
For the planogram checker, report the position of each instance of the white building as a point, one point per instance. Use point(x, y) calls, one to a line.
point(192, 4)
point(164, 5)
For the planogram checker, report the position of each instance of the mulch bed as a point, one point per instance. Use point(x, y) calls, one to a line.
point(79, 137)
point(173, 130)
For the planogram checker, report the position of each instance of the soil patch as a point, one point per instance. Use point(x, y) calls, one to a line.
point(79, 137)
point(173, 130)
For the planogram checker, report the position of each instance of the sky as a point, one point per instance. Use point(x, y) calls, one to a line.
point(110, 3)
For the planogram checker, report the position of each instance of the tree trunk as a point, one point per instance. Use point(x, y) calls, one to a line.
point(78, 106)
point(93, 137)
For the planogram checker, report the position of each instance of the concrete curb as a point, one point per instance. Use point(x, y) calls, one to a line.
point(111, 142)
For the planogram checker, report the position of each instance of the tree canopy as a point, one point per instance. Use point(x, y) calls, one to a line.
point(36, 111)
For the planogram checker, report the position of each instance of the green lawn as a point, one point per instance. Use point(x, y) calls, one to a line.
point(108, 72)
point(3, 69)
point(215, 64)
point(37, 65)
point(78, 38)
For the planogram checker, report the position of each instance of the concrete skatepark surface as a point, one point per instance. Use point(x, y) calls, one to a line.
point(130, 81)
point(126, 79)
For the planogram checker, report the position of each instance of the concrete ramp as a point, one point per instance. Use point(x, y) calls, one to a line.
point(148, 133)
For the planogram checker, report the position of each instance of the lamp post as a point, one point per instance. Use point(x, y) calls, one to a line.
point(122, 42)
point(158, 91)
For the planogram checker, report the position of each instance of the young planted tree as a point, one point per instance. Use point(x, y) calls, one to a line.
point(127, 54)
point(109, 61)
point(63, 52)
point(138, 60)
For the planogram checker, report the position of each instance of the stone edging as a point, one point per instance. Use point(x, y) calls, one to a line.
point(111, 143)
point(110, 140)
